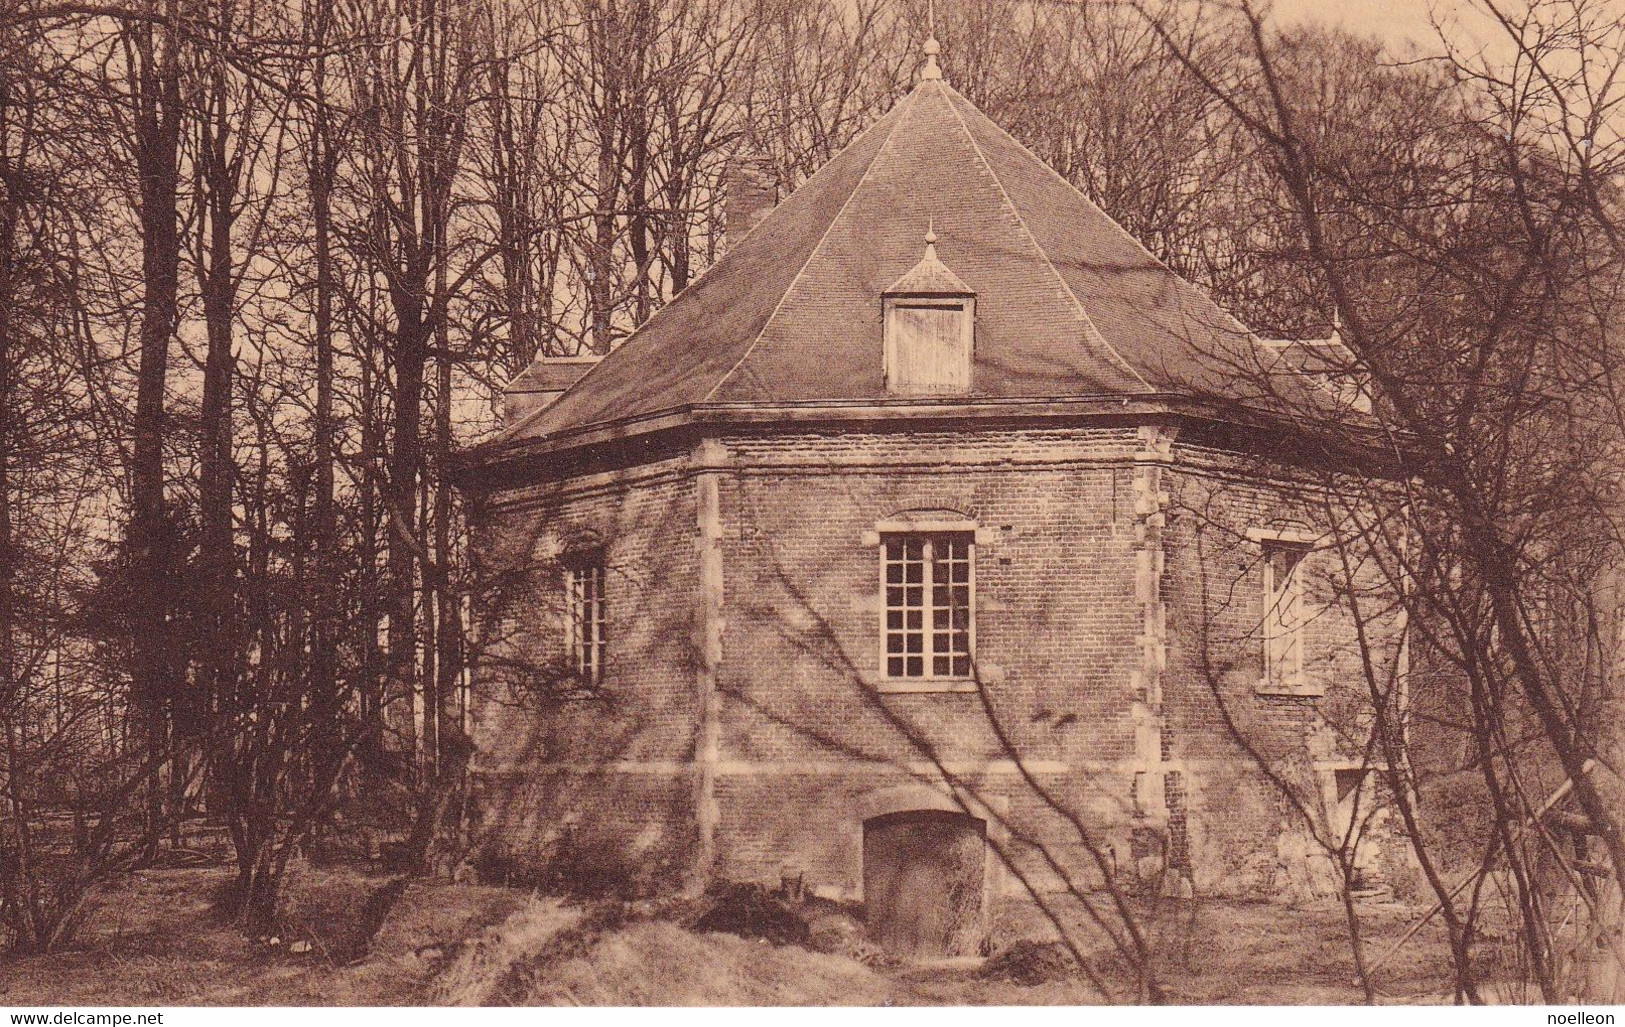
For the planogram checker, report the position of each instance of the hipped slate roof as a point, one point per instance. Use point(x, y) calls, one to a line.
point(1068, 304)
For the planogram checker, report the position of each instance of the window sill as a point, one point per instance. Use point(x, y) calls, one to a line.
point(907, 686)
point(1294, 690)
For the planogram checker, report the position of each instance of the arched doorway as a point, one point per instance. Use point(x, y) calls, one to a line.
point(923, 882)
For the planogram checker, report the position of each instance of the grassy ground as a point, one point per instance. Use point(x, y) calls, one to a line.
point(156, 939)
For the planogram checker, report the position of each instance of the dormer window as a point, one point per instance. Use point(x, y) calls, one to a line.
point(930, 329)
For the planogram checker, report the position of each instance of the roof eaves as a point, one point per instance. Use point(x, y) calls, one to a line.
point(742, 411)
point(496, 452)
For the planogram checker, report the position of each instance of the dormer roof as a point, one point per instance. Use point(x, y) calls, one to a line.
point(930, 277)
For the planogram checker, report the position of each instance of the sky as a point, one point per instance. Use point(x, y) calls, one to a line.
point(1393, 21)
point(1390, 19)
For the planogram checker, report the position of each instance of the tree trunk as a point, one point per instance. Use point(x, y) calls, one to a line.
point(372, 690)
point(406, 459)
point(214, 592)
point(154, 53)
point(325, 570)
point(448, 605)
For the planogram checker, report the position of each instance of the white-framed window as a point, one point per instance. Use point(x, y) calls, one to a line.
point(930, 595)
point(1284, 615)
point(585, 615)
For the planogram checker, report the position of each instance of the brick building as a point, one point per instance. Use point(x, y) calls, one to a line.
point(932, 527)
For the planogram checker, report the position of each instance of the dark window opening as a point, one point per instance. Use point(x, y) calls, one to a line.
point(586, 616)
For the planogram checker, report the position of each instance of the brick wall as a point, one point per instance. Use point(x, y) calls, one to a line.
point(1055, 630)
point(1107, 561)
point(608, 770)
point(1223, 725)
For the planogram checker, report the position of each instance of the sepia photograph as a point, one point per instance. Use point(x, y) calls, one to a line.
point(804, 503)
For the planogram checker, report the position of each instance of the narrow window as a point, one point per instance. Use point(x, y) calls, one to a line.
point(1283, 613)
point(929, 596)
point(584, 585)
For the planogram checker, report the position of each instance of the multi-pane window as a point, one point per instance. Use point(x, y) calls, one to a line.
point(584, 586)
point(1283, 613)
point(929, 590)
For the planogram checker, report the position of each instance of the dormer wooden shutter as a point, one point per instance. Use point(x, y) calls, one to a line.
point(928, 344)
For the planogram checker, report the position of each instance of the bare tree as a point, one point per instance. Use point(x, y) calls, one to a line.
point(412, 92)
point(67, 774)
point(1469, 293)
point(818, 74)
point(154, 55)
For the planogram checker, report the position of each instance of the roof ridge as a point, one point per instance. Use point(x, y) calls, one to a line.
point(1125, 233)
point(891, 134)
point(1088, 322)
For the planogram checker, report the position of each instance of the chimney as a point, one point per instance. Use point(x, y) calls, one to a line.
point(749, 194)
point(544, 381)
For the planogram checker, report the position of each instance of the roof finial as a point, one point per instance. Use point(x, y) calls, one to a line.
point(931, 72)
point(931, 238)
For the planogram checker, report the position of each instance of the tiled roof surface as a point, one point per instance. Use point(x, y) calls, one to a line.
point(1068, 304)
